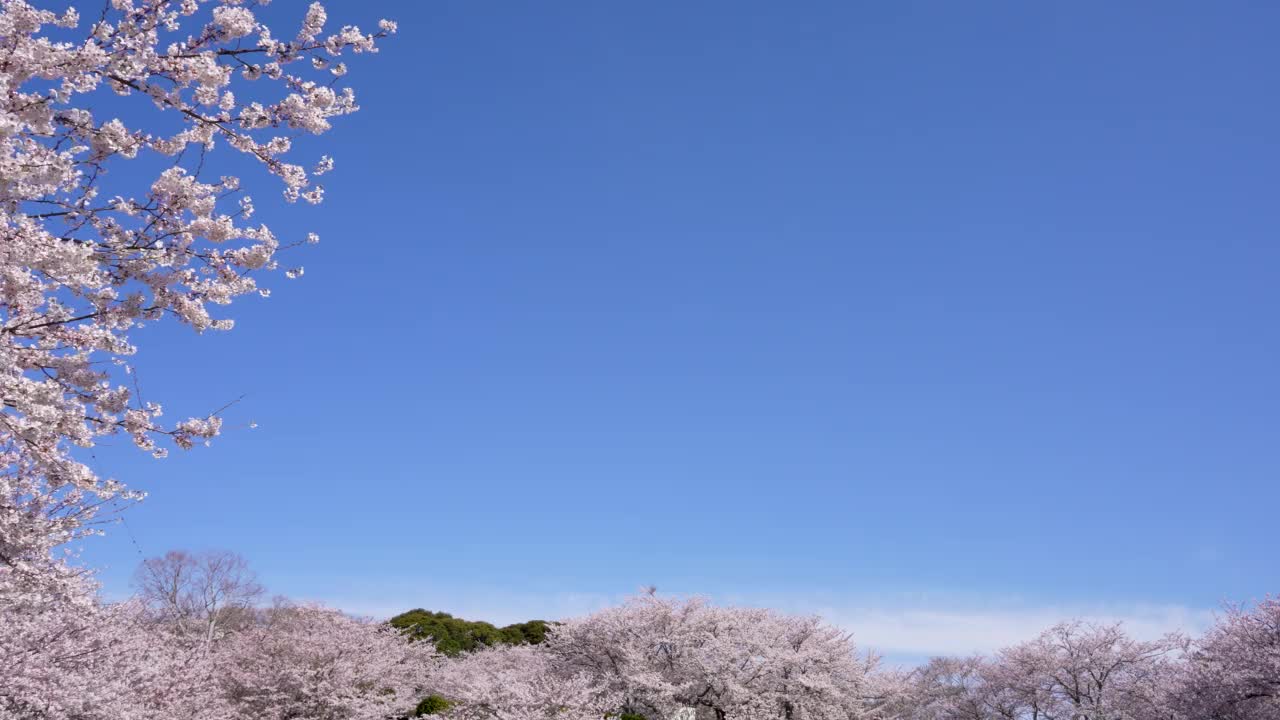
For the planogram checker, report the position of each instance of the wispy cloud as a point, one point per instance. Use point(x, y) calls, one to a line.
point(908, 628)
point(959, 631)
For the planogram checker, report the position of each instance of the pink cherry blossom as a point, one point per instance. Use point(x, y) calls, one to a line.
point(84, 261)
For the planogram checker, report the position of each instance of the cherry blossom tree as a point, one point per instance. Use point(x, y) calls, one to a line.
point(950, 689)
point(1086, 672)
point(1233, 672)
point(659, 655)
point(520, 682)
point(116, 662)
point(304, 661)
point(108, 662)
point(85, 260)
point(102, 663)
point(1072, 671)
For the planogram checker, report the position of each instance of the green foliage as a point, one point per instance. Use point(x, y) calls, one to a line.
point(454, 635)
point(431, 705)
point(532, 632)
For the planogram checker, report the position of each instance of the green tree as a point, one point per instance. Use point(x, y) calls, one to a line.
point(453, 636)
point(432, 705)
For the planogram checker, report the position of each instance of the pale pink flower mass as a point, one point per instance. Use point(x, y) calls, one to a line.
point(83, 262)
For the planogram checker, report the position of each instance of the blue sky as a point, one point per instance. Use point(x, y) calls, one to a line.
point(935, 317)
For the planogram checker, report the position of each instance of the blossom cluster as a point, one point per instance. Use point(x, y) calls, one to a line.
point(659, 657)
point(120, 662)
point(84, 262)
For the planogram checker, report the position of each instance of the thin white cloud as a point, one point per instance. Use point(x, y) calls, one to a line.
point(964, 631)
point(907, 627)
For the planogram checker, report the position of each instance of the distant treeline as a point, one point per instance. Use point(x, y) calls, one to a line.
point(453, 636)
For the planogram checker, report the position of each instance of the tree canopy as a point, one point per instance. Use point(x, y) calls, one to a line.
point(453, 636)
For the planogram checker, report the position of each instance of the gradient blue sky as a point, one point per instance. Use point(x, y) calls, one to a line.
point(937, 317)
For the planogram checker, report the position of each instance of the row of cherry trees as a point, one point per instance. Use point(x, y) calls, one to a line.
point(198, 640)
point(654, 657)
point(292, 661)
